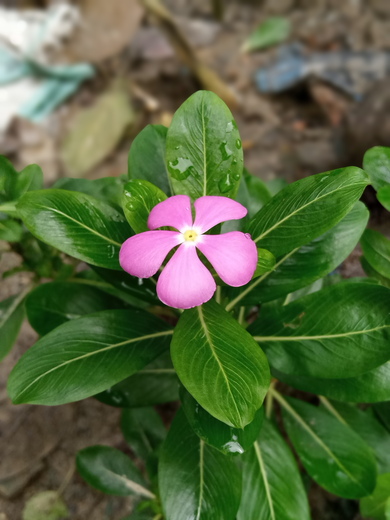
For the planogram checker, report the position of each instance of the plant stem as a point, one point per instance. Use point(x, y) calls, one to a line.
point(218, 295)
point(241, 315)
point(269, 400)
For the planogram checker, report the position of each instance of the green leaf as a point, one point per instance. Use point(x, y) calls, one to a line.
point(157, 383)
point(143, 289)
point(10, 230)
point(339, 332)
point(96, 132)
point(258, 193)
point(371, 272)
point(46, 505)
point(265, 262)
point(54, 303)
point(220, 364)
point(85, 356)
point(383, 196)
point(376, 506)
point(382, 410)
point(370, 430)
point(14, 183)
point(303, 266)
point(306, 209)
point(11, 319)
point(376, 162)
point(216, 433)
point(376, 249)
point(272, 487)
point(147, 157)
point(143, 430)
point(139, 198)
point(370, 387)
point(111, 471)
point(195, 480)
point(77, 224)
point(272, 31)
point(204, 151)
point(333, 454)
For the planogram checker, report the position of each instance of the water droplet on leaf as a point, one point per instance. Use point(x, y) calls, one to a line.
point(226, 184)
point(225, 151)
point(238, 144)
point(181, 168)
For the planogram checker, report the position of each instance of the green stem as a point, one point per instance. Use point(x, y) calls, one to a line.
point(241, 315)
point(218, 294)
point(269, 400)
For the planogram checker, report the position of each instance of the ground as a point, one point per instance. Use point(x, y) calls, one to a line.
point(309, 129)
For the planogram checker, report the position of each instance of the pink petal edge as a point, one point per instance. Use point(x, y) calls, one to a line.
point(233, 255)
point(185, 282)
point(212, 210)
point(173, 212)
point(142, 255)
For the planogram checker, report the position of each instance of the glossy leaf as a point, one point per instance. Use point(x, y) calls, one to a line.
point(139, 198)
point(147, 157)
point(111, 471)
point(204, 151)
point(272, 31)
point(372, 273)
point(220, 364)
point(272, 487)
point(303, 266)
point(376, 162)
point(383, 196)
point(10, 230)
point(376, 249)
point(365, 424)
point(265, 262)
point(85, 356)
point(333, 454)
point(195, 480)
point(18, 183)
point(315, 204)
point(54, 303)
point(382, 410)
point(376, 506)
point(77, 224)
point(157, 383)
point(370, 387)
point(339, 332)
point(216, 433)
point(143, 289)
point(96, 131)
point(11, 319)
point(143, 430)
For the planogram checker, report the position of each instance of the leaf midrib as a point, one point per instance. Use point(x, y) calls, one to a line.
point(265, 480)
point(212, 348)
point(304, 207)
point(317, 439)
point(96, 352)
point(93, 231)
point(201, 478)
point(319, 337)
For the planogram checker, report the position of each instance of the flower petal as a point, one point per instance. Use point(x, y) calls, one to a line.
point(143, 254)
point(233, 255)
point(174, 212)
point(212, 210)
point(185, 282)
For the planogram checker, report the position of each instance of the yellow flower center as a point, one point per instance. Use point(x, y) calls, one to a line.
point(190, 235)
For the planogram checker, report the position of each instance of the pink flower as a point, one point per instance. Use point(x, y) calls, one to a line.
point(185, 281)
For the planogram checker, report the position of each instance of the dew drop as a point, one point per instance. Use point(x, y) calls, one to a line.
point(238, 144)
point(236, 176)
point(233, 447)
point(225, 151)
point(229, 127)
point(181, 168)
point(225, 184)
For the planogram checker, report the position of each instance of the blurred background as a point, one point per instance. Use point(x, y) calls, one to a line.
point(308, 82)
